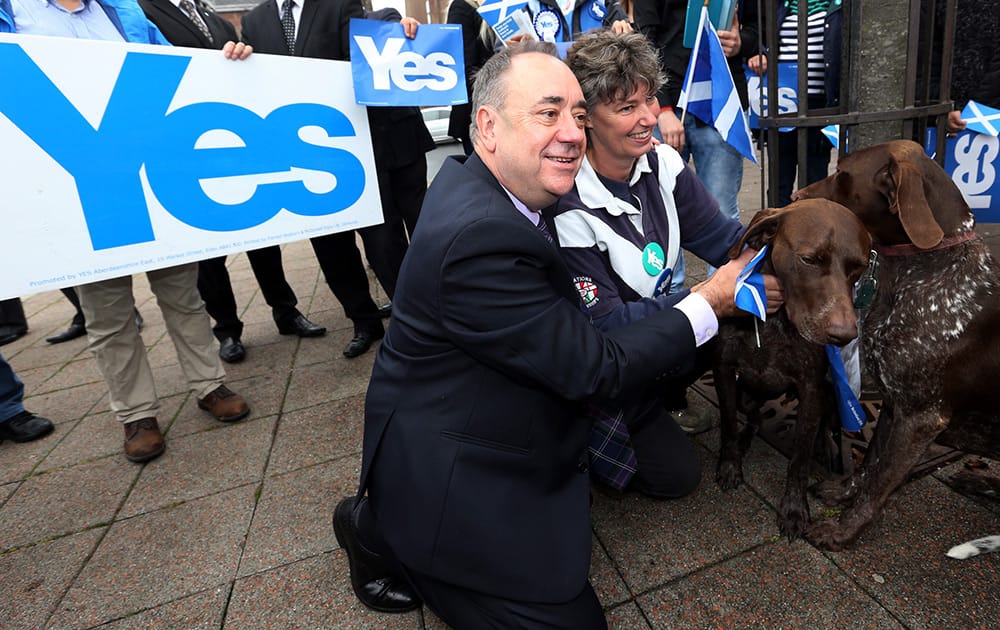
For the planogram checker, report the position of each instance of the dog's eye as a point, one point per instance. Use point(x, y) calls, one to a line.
point(806, 259)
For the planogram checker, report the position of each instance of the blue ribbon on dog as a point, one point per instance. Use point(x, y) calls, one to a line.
point(852, 416)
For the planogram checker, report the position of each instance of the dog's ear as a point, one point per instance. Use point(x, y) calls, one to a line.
point(763, 226)
point(902, 184)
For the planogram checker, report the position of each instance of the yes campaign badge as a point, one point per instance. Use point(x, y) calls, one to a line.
point(391, 70)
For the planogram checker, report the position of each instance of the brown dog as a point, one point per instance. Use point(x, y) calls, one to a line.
point(931, 338)
point(818, 250)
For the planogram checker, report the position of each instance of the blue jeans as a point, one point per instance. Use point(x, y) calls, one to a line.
point(720, 169)
point(11, 391)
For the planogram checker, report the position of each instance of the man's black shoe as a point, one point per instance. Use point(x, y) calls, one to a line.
point(138, 319)
point(11, 333)
point(385, 311)
point(75, 330)
point(25, 427)
point(231, 350)
point(373, 580)
point(300, 326)
point(364, 337)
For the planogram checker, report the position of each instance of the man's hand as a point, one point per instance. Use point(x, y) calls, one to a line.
point(731, 40)
point(671, 129)
point(757, 64)
point(955, 122)
point(410, 27)
point(720, 289)
point(621, 26)
point(237, 51)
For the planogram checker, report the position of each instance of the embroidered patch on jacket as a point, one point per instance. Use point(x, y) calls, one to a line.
point(588, 290)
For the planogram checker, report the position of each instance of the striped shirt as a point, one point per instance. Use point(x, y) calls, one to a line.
point(788, 48)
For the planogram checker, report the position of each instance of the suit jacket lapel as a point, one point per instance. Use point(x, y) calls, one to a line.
point(309, 8)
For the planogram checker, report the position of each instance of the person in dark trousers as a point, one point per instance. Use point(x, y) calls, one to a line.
point(475, 455)
point(13, 324)
point(17, 424)
point(196, 25)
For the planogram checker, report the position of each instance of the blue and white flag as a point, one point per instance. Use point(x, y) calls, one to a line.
point(710, 94)
point(981, 119)
point(750, 295)
point(390, 69)
point(832, 133)
point(852, 416)
point(496, 11)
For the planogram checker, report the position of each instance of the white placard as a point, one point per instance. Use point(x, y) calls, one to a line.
point(120, 158)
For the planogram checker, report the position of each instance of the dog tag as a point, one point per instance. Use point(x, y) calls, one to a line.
point(864, 293)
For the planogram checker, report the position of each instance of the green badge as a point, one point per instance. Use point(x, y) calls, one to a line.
point(652, 259)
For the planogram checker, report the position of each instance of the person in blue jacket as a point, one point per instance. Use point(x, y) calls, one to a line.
point(108, 305)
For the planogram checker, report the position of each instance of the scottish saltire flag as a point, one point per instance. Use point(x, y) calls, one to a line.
point(750, 296)
point(852, 416)
point(496, 11)
point(832, 133)
point(710, 94)
point(981, 118)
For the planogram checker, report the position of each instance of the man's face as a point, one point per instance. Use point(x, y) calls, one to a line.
point(535, 145)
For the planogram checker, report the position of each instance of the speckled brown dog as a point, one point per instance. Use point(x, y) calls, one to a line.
point(931, 338)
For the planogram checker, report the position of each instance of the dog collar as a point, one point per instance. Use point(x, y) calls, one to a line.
point(909, 249)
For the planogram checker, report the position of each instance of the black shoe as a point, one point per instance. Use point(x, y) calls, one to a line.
point(11, 333)
point(364, 337)
point(138, 319)
point(374, 582)
point(75, 330)
point(231, 350)
point(385, 311)
point(25, 427)
point(300, 326)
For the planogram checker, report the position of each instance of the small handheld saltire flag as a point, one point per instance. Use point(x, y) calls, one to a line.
point(852, 416)
point(710, 94)
point(496, 11)
point(750, 295)
point(832, 133)
point(981, 118)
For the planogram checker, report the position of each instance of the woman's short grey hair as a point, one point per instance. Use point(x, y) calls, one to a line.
point(610, 66)
point(490, 88)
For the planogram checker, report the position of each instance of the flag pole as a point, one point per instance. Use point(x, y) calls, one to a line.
point(693, 59)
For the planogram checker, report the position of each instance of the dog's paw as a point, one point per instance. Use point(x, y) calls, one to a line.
point(729, 474)
point(836, 492)
point(828, 535)
point(793, 518)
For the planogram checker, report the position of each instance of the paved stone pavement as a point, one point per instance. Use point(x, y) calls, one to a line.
point(231, 526)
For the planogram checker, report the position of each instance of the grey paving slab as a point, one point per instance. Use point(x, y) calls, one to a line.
point(264, 393)
point(65, 501)
point(35, 578)
point(201, 464)
point(79, 372)
point(626, 617)
point(608, 584)
point(339, 378)
point(54, 353)
point(272, 358)
point(66, 405)
point(199, 611)
point(18, 460)
point(311, 593)
point(326, 348)
point(776, 585)
point(902, 561)
point(34, 378)
point(173, 552)
point(293, 516)
point(319, 433)
point(655, 541)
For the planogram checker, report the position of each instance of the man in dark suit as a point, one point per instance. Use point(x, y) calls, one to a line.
point(195, 25)
point(475, 452)
point(321, 29)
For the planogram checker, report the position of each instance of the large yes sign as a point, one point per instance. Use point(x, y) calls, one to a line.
point(120, 158)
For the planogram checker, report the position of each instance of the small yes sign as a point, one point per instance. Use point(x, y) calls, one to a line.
point(391, 70)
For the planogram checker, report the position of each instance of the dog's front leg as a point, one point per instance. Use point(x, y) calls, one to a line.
point(793, 512)
point(906, 439)
point(840, 492)
point(729, 473)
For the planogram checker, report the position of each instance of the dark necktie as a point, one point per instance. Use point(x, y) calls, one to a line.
point(288, 25)
point(187, 7)
point(543, 227)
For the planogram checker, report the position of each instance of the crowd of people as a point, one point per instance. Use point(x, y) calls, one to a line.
point(554, 339)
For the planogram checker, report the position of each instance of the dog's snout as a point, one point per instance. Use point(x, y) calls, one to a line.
point(840, 333)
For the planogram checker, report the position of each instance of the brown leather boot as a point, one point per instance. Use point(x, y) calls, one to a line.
point(224, 404)
point(143, 440)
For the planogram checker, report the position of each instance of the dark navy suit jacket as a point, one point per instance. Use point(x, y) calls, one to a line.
point(475, 454)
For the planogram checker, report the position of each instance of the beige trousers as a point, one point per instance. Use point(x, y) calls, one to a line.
point(119, 349)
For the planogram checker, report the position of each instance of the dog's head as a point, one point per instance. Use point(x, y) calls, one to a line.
point(819, 249)
point(900, 194)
